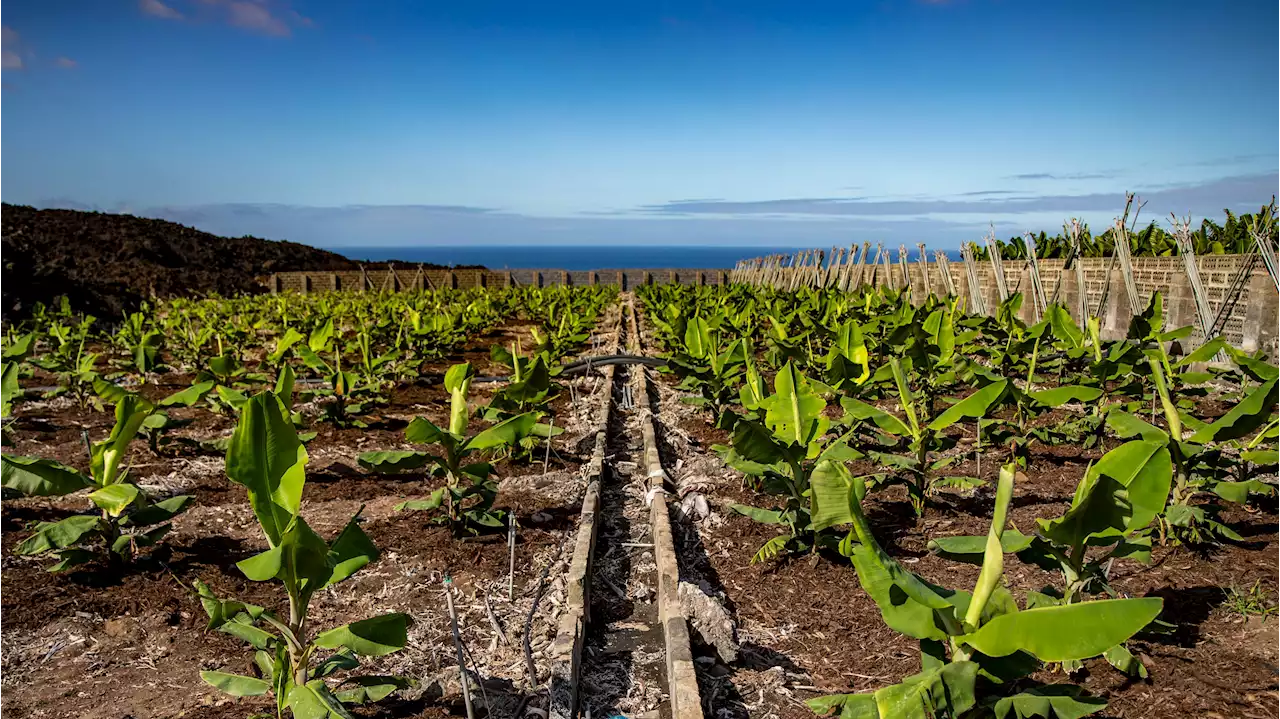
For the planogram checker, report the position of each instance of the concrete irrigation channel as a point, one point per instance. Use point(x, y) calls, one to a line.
point(623, 642)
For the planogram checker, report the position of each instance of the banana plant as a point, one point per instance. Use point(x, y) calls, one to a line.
point(1029, 403)
point(126, 519)
point(708, 366)
point(847, 360)
point(781, 450)
point(74, 367)
point(912, 444)
point(221, 383)
point(10, 390)
point(12, 360)
point(1186, 520)
point(976, 648)
point(350, 397)
point(292, 661)
point(141, 342)
point(530, 390)
point(374, 366)
point(465, 502)
point(1111, 510)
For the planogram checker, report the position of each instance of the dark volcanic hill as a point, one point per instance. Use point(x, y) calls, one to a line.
point(107, 264)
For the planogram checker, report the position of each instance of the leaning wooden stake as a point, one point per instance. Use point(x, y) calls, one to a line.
point(977, 301)
point(1039, 302)
point(511, 550)
point(997, 265)
point(1125, 256)
point(1261, 229)
point(924, 270)
point(944, 265)
point(457, 645)
point(1204, 311)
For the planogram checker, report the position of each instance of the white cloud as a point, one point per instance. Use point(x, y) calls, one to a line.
point(256, 17)
point(9, 60)
point(158, 9)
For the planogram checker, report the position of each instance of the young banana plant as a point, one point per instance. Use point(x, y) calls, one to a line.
point(914, 443)
point(1113, 506)
point(976, 648)
point(74, 367)
point(465, 502)
point(847, 360)
point(344, 385)
point(291, 660)
point(221, 383)
point(708, 366)
point(126, 520)
point(1185, 519)
point(782, 451)
point(530, 390)
point(12, 360)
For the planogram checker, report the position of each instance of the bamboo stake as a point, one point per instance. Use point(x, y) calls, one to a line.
point(924, 270)
point(457, 645)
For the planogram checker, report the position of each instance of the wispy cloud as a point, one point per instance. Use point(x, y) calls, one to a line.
point(255, 17)
point(66, 63)
point(10, 49)
point(155, 8)
point(273, 18)
point(988, 193)
point(1068, 176)
point(1228, 160)
point(1206, 197)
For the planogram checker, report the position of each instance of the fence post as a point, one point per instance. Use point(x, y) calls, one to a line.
point(335, 283)
point(622, 281)
point(453, 280)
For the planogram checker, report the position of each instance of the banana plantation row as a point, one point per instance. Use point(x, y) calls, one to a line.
point(824, 410)
point(827, 403)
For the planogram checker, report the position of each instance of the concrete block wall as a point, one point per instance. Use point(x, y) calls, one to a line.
point(1251, 320)
point(409, 278)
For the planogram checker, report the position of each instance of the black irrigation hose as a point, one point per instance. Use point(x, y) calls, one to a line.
point(585, 365)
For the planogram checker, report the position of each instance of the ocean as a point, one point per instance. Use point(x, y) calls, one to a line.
point(566, 257)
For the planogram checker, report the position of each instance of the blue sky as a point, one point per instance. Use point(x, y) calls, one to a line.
point(383, 123)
